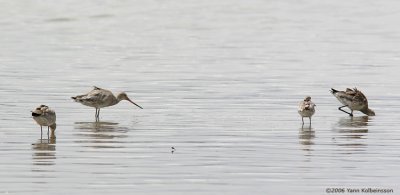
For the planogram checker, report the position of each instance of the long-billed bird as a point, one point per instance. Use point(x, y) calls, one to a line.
point(100, 98)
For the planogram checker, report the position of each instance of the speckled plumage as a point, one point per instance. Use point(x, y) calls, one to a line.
point(354, 99)
point(306, 108)
point(44, 116)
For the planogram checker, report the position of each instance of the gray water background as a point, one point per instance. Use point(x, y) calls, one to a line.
point(219, 81)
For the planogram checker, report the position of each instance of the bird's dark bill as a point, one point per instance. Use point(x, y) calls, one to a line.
point(35, 114)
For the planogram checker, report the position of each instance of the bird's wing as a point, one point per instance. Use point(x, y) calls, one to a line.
point(345, 98)
point(360, 98)
point(49, 114)
point(350, 91)
point(348, 94)
point(301, 106)
point(93, 96)
point(49, 111)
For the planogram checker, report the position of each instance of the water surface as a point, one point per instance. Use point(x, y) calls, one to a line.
point(219, 81)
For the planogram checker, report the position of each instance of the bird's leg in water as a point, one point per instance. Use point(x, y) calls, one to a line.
point(340, 108)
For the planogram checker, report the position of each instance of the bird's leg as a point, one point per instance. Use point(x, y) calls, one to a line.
point(340, 108)
point(41, 133)
point(48, 132)
point(302, 120)
point(95, 115)
point(310, 121)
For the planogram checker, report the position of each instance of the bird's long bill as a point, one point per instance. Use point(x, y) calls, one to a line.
point(134, 103)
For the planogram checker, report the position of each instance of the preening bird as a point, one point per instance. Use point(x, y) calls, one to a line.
point(306, 108)
point(44, 116)
point(354, 99)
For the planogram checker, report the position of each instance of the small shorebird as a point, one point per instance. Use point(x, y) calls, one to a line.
point(44, 116)
point(306, 108)
point(353, 99)
point(100, 98)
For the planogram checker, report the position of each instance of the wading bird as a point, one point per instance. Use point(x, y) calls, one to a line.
point(306, 108)
point(44, 116)
point(100, 98)
point(354, 99)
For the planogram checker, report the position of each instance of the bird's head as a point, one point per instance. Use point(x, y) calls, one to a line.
point(123, 96)
point(369, 112)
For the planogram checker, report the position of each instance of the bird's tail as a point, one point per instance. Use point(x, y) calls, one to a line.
point(75, 98)
point(333, 91)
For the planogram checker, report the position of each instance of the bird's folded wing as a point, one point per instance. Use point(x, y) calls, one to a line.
point(346, 97)
point(93, 97)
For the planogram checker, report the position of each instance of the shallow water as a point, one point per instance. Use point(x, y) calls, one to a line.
point(219, 81)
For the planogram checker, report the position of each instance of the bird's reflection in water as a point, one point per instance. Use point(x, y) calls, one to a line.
point(306, 136)
point(101, 134)
point(352, 131)
point(44, 151)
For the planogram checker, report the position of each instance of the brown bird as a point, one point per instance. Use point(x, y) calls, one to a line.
point(44, 116)
point(306, 108)
point(354, 99)
point(100, 98)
